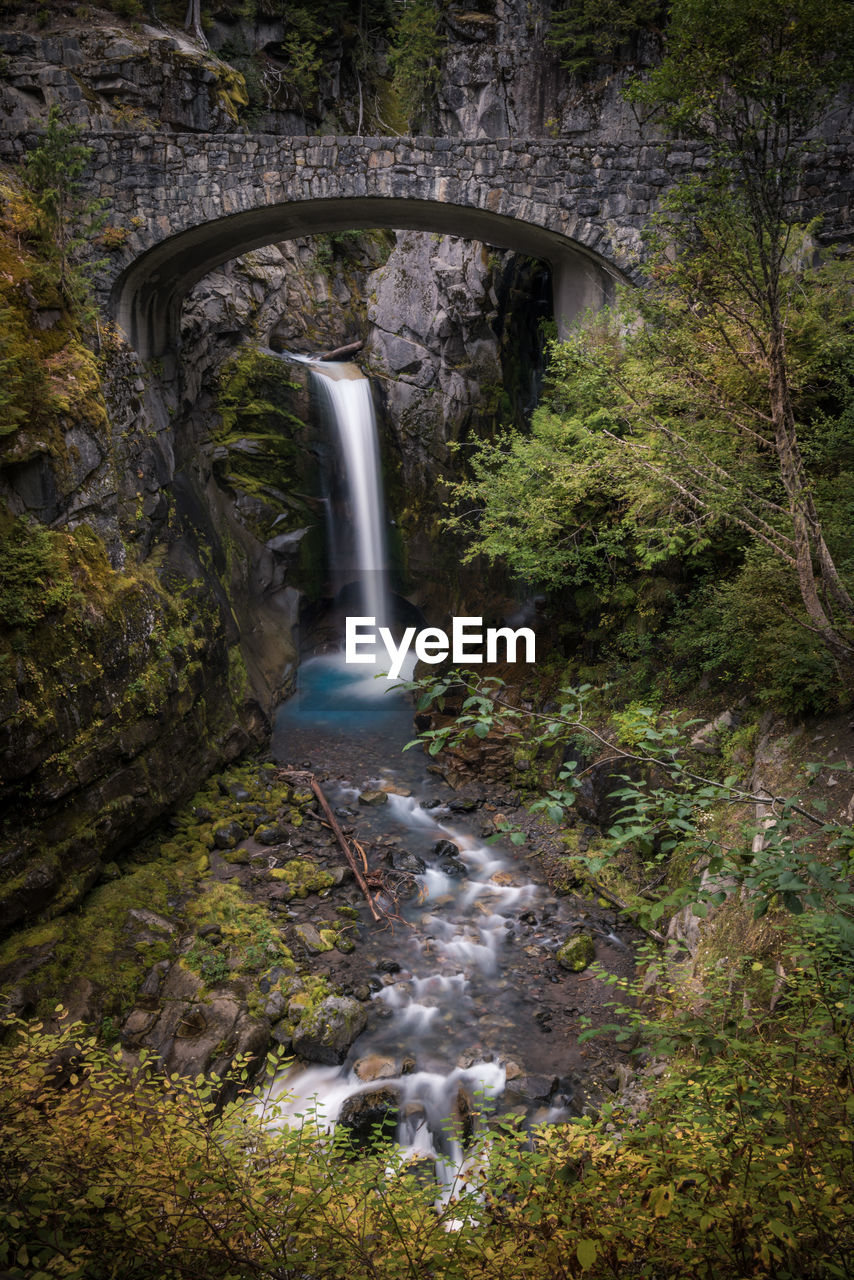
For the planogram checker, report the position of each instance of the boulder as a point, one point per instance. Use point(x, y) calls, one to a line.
point(372, 1115)
point(577, 953)
point(229, 835)
point(326, 1032)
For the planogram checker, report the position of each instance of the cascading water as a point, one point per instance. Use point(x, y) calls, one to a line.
point(346, 395)
point(456, 992)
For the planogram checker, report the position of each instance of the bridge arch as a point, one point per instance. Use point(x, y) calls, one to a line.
point(146, 297)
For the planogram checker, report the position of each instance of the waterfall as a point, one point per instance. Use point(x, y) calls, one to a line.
point(346, 395)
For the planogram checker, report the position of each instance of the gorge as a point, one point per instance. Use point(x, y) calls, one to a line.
point(580, 940)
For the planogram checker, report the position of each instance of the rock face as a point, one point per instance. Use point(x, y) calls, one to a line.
point(132, 75)
point(432, 347)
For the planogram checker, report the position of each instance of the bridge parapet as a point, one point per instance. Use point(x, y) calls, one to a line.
point(189, 201)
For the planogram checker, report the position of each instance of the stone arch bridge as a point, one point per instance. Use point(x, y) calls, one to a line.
point(191, 201)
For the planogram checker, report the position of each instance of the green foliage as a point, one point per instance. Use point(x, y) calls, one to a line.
point(67, 219)
point(666, 807)
point(648, 495)
point(332, 248)
point(746, 629)
point(698, 442)
point(591, 33)
point(740, 1166)
point(35, 579)
point(751, 77)
point(23, 389)
point(416, 57)
point(250, 940)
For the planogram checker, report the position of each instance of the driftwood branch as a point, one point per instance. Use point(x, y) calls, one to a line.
point(300, 778)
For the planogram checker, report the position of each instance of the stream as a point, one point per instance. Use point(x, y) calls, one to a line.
point(469, 1009)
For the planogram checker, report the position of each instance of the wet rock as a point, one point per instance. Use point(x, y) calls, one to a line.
point(229, 835)
point(577, 953)
point(375, 1067)
point(453, 867)
point(537, 1088)
point(403, 860)
point(463, 804)
point(273, 834)
point(373, 797)
point(388, 966)
point(445, 849)
point(326, 1032)
point(371, 1116)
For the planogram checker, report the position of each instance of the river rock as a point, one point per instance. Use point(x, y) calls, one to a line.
point(577, 953)
point(373, 797)
point(453, 867)
point(403, 860)
point(229, 835)
point(270, 834)
point(372, 1115)
point(445, 849)
point(312, 940)
point(326, 1032)
point(375, 1067)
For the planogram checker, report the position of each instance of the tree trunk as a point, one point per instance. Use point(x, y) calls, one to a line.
point(193, 22)
point(811, 549)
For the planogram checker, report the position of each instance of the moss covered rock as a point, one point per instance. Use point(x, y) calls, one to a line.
point(577, 953)
point(326, 1032)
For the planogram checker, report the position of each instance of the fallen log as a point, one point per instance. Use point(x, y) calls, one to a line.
point(298, 777)
point(342, 353)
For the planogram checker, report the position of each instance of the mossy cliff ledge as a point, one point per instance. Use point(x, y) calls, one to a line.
point(122, 678)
